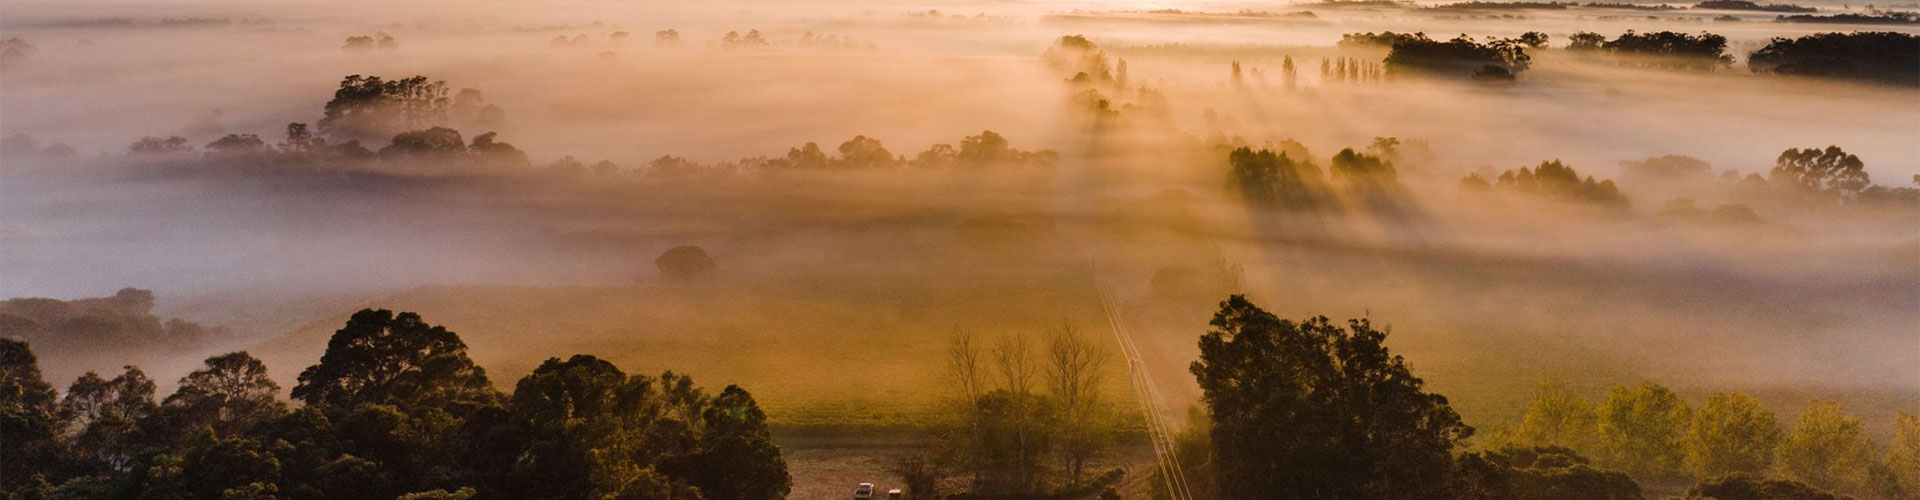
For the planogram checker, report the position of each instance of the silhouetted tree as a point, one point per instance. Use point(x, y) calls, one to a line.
point(383, 358)
point(1670, 49)
point(1313, 410)
point(685, 264)
point(104, 415)
point(1829, 171)
point(231, 394)
point(1539, 473)
point(1886, 57)
point(1747, 487)
point(371, 108)
point(30, 423)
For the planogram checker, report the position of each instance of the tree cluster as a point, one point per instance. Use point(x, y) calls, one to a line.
point(393, 410)
point(1669, 49)
point(1030, 421)
point(1885, 57)
point(1649, 432)
point(1550, 180)
point(1493, 60)
point(123, 323)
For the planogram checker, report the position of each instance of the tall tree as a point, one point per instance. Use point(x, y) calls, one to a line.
point(29, 417)
point(383, 358)
point(106, 415)
point(1731, 434)
point(1829, 171)
point(1903, 455)
point(1558, 417)
point(1641, 430)
point(1073, 374)
point(1313, 410)
point(231, 394)
point(1828, 449)
point(737, 458)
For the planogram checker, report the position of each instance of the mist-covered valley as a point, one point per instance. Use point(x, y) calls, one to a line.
point(1631, 214)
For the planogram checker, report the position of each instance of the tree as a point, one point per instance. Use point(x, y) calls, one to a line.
point(1073, 374)
point(1539, 473)
point(1585, 40)
point(1829, 171)
point(1313, 410)
point(1460, 56)
point(1642, 430)
point(29, 416)
point(1559, 418)
point(231, 394)
point(685, 264)
point(863, 152)
point(1884, 56)
point(1827, 449)
point(1730, 435)
point(1746, 487)
point(591, 431)
point(106, 415)
point(371, 108)
point(1668, 49)
point(1266, 178)
point(920, 473)
point(737, 459)
point(1903, 455)
point(383, 358)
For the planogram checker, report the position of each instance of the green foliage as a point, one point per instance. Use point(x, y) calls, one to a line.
point(1731, 435)
point(29, 417)
point(1903, 455)
point(1559, 418)
point(394, 410)
point(1827, 449)
point(1539, 473)
point(1642, 429)
point(1747, 487)
point(1313, 410)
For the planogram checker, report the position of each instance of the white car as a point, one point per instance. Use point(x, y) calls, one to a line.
point(863, 492)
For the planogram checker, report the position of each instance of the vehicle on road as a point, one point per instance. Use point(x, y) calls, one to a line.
point(863, 492)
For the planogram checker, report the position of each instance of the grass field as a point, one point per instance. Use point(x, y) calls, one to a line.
point(833, 344)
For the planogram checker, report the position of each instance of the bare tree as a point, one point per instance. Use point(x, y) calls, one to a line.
point(1013, 358)
point(1073, 378)
point(964, 366)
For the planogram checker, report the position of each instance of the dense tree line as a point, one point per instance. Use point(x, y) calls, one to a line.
point(1493, 60)
point(1730, 443)
point(1550, 180)
point(122, 324)
point(1885, 56)
point(1660, 49)
point(1316, 410)
point(393, 410)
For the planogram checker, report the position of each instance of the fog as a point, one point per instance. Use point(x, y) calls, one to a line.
point(1487, 294)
